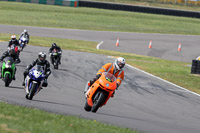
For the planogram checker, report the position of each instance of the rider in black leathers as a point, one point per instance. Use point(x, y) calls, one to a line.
point(13, 41)
point(41, 60)
point(54, 46)
point(10, 53)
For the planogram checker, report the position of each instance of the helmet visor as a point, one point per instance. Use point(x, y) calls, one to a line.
point(121, 65)
point(42, 58)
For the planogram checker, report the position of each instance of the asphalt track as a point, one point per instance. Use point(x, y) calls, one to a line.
point(142, 102)
point(163, 45)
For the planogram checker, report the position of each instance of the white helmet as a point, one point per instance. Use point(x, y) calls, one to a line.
point(13, 37)
point(25, 31)
point(119, 63)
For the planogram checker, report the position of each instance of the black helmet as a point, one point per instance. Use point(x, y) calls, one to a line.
point(54, 45)
point(42, 56)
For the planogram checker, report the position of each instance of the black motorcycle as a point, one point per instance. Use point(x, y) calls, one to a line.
point(54, 57)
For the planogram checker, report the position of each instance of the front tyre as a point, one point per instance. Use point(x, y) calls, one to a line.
point(33, 90)
point(99, 99)
point(7, 79)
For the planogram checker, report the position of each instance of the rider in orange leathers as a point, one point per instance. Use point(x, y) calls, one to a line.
point(115, 68)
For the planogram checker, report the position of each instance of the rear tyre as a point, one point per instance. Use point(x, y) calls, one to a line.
point(99, 99)
point(7, 80)
point(87, 107)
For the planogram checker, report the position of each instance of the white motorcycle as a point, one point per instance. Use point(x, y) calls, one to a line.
point(23, 41)
point(34, 81)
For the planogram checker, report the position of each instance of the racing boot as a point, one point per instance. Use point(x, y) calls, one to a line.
point(14, 77)
point(23, 83)
point(113, 94)
point(44, 84)
point(59, 61)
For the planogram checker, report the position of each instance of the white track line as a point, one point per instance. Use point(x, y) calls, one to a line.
point(99, 44)
point(163, 80)
point(154, 75)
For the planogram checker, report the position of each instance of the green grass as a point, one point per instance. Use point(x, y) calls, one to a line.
point(16, 119)
point(12, 13)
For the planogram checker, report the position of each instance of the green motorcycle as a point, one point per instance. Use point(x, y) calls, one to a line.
point(8, 70)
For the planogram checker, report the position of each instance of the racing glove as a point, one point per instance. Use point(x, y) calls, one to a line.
point(117, 86)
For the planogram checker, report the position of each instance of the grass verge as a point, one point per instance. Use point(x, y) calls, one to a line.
point(12, 13)
point(17, 119)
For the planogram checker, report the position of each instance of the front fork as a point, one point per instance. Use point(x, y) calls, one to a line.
point(86, 87)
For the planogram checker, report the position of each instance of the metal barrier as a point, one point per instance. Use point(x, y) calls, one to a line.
point(134, 8)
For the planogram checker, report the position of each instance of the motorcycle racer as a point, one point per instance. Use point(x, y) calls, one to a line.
point(115, 68)
point(25, 33)
point(54, 46)
point(41, 60)
point(13, 41)
point(10, 52)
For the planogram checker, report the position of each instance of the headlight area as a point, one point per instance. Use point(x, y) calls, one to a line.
point(8, 66)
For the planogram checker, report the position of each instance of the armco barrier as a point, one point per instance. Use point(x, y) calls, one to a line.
point(134, 8)
point(73, 3)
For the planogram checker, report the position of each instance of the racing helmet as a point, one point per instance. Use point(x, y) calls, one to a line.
point(13, 37)
point(54, 45)
point(119, 63)
point(42, 56)
point(25, 31)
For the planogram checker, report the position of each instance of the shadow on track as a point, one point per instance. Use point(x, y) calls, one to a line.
point(65, 70)
point(106, 114)
point(24, 66)
point(42, 101)
point(15, 87)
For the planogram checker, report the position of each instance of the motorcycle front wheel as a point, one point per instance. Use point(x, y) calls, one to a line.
point(33, 90)
point(99, 99)
point(7, 80)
